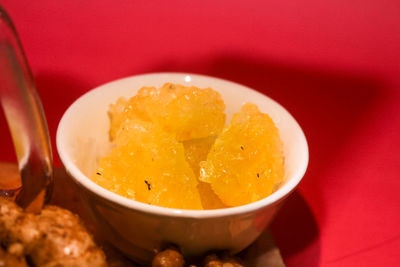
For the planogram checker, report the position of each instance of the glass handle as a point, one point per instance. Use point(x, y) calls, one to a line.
point(26, 121)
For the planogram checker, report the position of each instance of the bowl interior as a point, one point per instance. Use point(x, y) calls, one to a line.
point(82, 135)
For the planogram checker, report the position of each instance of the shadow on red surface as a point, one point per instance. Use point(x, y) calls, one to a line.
point(296, 231)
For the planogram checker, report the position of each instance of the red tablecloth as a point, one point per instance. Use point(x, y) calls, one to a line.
point(335, 65)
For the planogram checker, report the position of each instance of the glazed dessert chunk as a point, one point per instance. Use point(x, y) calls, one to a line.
point(246, 160)
point(186, 112)
point(148, 165)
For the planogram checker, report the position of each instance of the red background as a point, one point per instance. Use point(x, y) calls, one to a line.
point(335, 65)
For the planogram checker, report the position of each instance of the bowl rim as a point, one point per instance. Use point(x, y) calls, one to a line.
point(96, 189)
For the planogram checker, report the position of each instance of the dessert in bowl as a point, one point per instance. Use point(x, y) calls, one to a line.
point(138, 229)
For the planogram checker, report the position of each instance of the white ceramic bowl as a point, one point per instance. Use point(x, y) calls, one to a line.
point(137, 228)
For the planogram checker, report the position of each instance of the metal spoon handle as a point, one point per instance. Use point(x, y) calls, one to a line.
point(25, 118)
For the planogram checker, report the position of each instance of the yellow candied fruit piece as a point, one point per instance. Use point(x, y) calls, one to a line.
point(246, 160)
point(148, 165)
point(196, 150)
point(186, 112)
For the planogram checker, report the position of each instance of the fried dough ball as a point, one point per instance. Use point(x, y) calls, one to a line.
point(168, 258)
point(226, 261)
point(54, 237)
